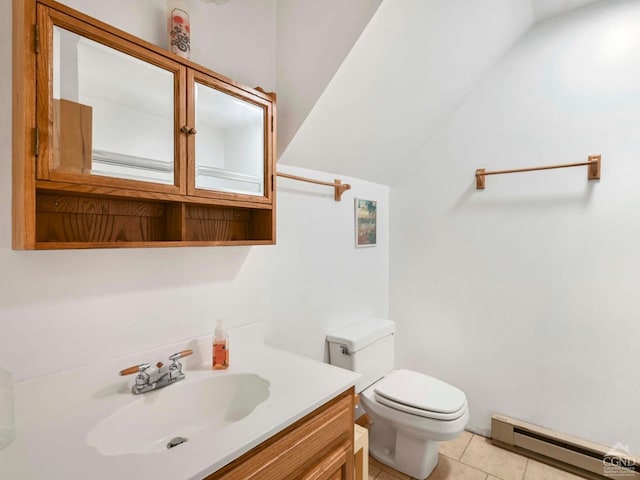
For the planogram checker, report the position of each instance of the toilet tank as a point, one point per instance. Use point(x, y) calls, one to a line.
point(365, 347)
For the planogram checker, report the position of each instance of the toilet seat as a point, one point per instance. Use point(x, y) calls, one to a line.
point(421, 395)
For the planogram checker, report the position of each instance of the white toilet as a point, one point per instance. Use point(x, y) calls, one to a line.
point(411, 412)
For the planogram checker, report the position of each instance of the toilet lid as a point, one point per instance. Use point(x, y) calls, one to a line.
point(421, 413)
point(419, 392)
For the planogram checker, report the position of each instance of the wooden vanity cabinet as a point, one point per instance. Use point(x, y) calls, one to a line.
point(317, 447)
point(62, 200)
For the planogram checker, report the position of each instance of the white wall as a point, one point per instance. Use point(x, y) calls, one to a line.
point(244, 149)
point(61, 309)
point(525, 295)
point(317, 281)
point(119, 128)
point(210, 146)
point(236, 39)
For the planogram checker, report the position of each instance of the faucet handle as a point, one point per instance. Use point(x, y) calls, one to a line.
point(179, 355)
point(135, 369)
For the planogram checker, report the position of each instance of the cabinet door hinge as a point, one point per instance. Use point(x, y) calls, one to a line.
point(273, 182)
point(271, 123)
point(37, 141)
point(36, 36)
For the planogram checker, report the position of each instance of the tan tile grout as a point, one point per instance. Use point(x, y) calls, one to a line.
point(467, 445)
point(526, 464)
point(484, 471)
point(526, 467)
point(468, 464)
point(477, 468)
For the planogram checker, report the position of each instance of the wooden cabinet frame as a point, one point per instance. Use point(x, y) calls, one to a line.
point(194, 76)
point(54, 209)
point(47, 18)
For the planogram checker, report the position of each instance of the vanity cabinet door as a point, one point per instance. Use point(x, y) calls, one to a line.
point(109, 112)
point(337, 465)
point(318, 447)
point(230, 141)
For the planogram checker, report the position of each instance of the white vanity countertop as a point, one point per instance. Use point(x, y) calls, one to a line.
point(54, 414)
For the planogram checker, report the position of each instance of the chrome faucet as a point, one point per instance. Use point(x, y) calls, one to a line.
point(152, 378)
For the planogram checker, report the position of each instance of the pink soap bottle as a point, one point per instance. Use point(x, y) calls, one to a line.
point(220, 354)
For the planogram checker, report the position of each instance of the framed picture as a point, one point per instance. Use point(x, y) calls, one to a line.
point(366, 211)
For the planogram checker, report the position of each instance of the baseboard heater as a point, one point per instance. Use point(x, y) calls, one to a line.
point(580, 457)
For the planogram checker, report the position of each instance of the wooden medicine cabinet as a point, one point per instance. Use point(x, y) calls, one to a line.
point(119, 143)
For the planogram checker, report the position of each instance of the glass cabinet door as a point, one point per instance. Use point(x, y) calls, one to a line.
point(230, 143)
point(113, 110)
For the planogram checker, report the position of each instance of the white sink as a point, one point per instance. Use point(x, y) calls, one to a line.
point(185, 409)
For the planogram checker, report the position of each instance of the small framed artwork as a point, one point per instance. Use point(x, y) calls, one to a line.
point(366, 217)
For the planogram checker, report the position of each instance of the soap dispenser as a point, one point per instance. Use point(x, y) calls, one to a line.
point(220, 359)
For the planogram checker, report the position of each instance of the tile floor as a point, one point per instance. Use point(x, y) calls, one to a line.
point(472, 457)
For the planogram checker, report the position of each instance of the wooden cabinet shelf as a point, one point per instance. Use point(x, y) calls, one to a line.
point(81, 221)
point(85, 178)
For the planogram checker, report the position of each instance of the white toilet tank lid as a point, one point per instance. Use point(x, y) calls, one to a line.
point(361, 334)
point(421, 391)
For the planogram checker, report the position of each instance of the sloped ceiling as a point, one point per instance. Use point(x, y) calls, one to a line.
point(543, 9)
point(412, 66)
point(312, 40)
point(410, 69)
